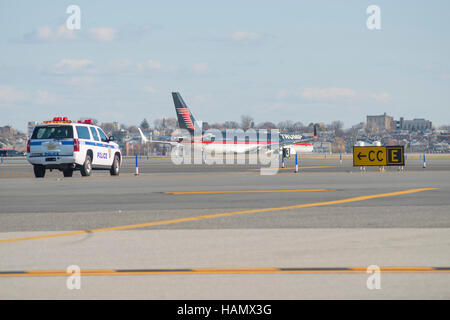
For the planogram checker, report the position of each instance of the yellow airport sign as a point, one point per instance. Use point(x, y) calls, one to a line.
point(378, 156)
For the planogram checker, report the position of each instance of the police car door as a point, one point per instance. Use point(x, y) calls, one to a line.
point(97, 149)
point(108, 150)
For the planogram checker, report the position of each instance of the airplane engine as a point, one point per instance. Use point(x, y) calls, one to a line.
point(179, 150)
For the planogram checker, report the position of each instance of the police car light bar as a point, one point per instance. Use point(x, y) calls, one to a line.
point(59, 120)
point(89, 121)
point(66, 120)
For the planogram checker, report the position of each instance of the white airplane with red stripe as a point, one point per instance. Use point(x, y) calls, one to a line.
point(235, 143)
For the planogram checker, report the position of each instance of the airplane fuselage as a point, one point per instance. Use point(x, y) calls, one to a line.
point(234, 144)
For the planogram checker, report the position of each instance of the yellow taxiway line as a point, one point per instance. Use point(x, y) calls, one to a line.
point(301, 270)
point(219, 215)
point(246, 191)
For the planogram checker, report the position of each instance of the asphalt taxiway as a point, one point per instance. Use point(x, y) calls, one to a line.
point(227, 232)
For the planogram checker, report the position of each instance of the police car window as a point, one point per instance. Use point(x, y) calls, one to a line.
point(102, 135)
point(83, 133)
point(94, 133)
point(52, 132)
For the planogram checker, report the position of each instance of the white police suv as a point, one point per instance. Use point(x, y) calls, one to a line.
point(68, 146)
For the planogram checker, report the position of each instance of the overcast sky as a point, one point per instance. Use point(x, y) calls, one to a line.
point(313, 61)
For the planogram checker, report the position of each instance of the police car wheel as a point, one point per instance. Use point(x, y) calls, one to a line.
point(39, 171)
point(86, 168)
point(115, 168)
point(68, 172)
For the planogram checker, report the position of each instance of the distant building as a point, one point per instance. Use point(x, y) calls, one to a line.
point(322, 147)
point(116, 126)
point(120, 134)
point(444, 136)
point(414, 125)
point(7, 131)
point(358, 126)
point(31, 125)
point(382, 122)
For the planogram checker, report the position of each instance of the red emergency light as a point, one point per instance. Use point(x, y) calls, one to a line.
point(89, 121)
point(59, 120)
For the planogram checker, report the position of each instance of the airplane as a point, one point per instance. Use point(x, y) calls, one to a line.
point(361, 143)
point(288, 143)
point(173, 141)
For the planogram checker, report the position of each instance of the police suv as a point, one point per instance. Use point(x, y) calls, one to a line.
point(68, 146)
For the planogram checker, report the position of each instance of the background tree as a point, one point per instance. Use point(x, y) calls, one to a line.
point(217, 125)
point(267, 125)
point(247, 122)
point(336, 125)
point(144, 125)
point(205, 126)
point(286, 126)
point(171, 123)
point(231, 125)
point(338, 145)
point(107, 127)
point(299, 127)
point(310, 128)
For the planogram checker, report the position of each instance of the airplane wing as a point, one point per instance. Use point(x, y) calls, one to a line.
point(145, 139)
point(172, 143)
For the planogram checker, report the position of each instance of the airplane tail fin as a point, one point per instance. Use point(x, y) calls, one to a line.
point(185, 118)
point(143, 137)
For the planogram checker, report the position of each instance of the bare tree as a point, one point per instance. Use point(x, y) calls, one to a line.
point(267, 125)
point(231, 125)
point(299, 127)
point(339, 133)
point(107, 127)
point(310, 128)
point(205, 126)
point(247, 122)
point(133, 129)
point(335, 125)
point(218, 126)
point(286, 126)
point(158, 124)
point(171, 123)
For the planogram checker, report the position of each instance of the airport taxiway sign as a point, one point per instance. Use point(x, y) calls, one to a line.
point(378, 156)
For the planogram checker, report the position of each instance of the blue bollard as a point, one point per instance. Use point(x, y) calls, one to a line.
point(296, 163)
point(282, 160)
point(137, 166)
point(424, 161)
